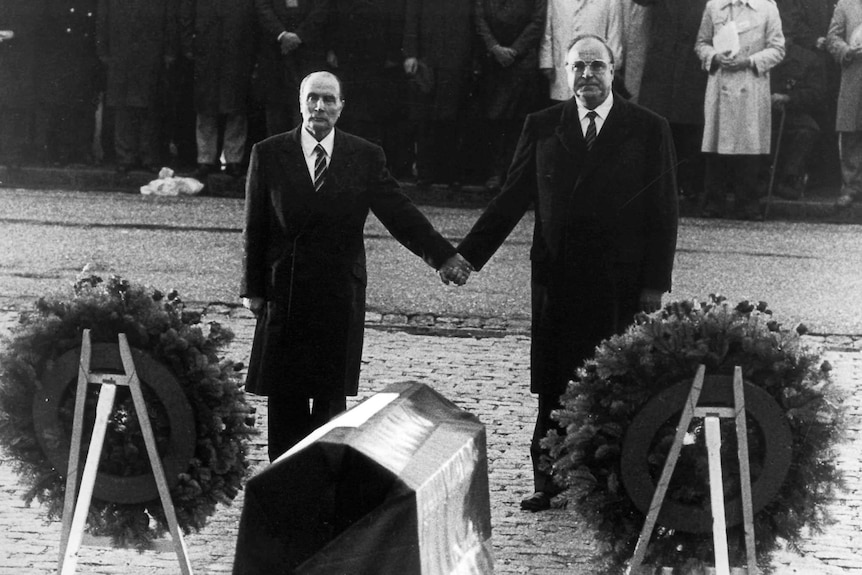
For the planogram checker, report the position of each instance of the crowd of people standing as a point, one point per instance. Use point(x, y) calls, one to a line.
point(442, 85)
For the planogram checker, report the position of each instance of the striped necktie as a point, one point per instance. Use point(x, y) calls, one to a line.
point(319, 167)
point(590, 136)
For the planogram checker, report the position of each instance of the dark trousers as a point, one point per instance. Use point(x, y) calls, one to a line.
point(542, 479)
point(136, 136)
point(732, 174)
point(291, 417)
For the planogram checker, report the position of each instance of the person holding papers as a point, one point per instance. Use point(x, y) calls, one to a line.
point(738, 43)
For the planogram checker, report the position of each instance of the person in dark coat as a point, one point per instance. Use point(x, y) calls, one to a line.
point(673, 84)
point(137, 42)
point(806, 23)
point(308, 194)
point(291, 46)
point(438, 38)
point(69, 80)
point(510, 33)
point(605, 200)
point(20, 39)
point(797, 93)
point(364, 40)
point(219, 35)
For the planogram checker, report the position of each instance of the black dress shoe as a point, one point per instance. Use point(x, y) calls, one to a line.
point(538, 501)
point(234, 170)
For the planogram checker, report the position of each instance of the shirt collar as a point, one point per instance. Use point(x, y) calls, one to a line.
point(726, 3)
point(309, 142)
point(602, 110)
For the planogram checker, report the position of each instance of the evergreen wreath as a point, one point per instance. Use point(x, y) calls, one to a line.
point(656, 353)
point(158, 325)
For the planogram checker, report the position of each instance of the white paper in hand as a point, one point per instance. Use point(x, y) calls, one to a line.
point(726, 40)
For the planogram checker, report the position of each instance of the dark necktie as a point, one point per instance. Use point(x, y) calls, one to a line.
point(319, 167)
point(590, 137)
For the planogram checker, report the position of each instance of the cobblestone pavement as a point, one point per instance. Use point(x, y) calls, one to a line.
point(487, 376)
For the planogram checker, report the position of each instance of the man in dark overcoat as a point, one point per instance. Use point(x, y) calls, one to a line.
point(364, 41)
point(438, 42)
point(20, 40)
point(137, 41)
point(510, 33)
point(291, 46)
point(673, 83)
point(69, 80)
point(220, 37)
point(304, 262)
point(599, 172)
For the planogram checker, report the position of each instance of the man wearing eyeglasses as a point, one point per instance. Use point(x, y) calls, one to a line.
point(599, 172)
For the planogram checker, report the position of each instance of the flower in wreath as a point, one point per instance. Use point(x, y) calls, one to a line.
point(193, 395)
point(793, 420)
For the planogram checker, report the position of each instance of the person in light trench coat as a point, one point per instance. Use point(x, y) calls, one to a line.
point(568, 19)
point(737, 106)
point(847, 51)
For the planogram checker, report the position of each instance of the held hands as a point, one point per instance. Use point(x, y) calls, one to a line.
point(254, 304)
point(505, 57)
point(456, 269)
point(410, 66)
point(780, 100)
point(733, 63)
point(289, 42)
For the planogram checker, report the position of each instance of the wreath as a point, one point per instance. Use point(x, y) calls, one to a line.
point(658, 356)
point(170, 345)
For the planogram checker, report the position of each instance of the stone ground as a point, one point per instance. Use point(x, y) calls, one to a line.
point(487, 376)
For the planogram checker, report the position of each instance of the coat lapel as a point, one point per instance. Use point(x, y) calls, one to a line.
point(612, 134)
point(292, 161)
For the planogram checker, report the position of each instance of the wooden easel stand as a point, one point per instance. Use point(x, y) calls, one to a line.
point(77, 503)
point(712, 427)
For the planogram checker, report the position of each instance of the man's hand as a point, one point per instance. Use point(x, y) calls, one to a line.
point(505, 57)
point(332, 58)
point(456, 269)
point(411, 65)
point(854, 53)
point(254, 304)
point(733, 63)
point(780, 100)
point(289, 42)
point(650, 300)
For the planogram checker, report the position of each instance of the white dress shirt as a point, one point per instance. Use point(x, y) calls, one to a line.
point(602, 111)
point(309, 143)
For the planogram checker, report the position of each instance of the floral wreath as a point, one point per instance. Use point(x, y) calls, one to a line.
point(658, 352)
point(158, 328)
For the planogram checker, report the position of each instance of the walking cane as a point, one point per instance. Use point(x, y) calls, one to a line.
point(774, 162)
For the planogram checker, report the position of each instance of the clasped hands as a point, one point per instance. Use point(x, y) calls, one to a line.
point(733, 63)
point(456, 270)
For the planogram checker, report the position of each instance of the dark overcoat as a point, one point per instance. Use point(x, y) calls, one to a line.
point(305, 254)
point(366, 37)
point(70, 71)
point(673, 82)
point(135, 38)
point(19, 57)
point(605, 228)
point(509, 92)
point(280, 74)
point(439, 32)
point(221, 35)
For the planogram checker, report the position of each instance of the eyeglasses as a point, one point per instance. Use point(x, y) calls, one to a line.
point(595, 66)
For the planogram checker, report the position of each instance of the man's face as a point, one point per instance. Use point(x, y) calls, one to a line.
point(321, 104)
point(590, 72)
